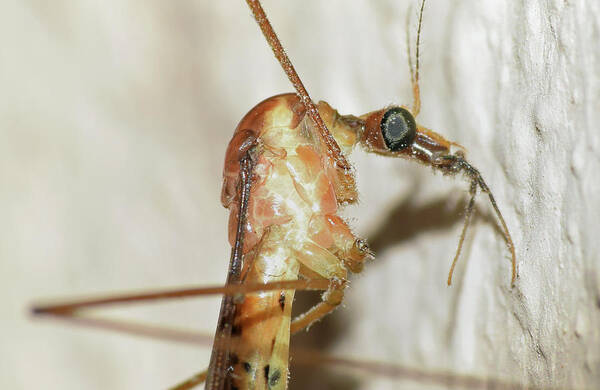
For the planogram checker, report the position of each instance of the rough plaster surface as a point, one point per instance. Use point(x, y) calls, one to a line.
point(113, 124)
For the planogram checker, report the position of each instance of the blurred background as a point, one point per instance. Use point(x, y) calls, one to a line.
point(114, 119)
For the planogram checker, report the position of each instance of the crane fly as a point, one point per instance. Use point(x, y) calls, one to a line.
point(286, 176)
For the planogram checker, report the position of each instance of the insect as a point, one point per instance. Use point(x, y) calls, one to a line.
point(294, 163)
point(450, 163)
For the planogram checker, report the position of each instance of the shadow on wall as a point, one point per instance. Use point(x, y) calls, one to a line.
point(404, 222)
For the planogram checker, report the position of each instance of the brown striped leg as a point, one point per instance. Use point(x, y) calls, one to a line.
point(70, 308)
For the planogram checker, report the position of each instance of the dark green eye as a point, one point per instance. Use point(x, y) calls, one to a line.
point(398, 128)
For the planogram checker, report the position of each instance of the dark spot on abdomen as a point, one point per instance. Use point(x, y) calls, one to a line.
point(247, 366)
point(275, 377)
point(282, 300)
point(236, 330)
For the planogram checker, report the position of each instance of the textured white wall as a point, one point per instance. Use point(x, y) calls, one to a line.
point(113, 124)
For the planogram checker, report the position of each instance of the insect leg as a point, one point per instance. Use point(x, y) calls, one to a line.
point(333, 150)
point(67, 309)
point(191, 382)
point(326, 265)
point(330, 300)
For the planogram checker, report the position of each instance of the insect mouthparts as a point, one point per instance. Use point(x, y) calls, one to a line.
point(455, 163)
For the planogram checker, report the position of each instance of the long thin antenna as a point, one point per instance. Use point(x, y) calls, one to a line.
point(415, 80)
point(408, 51)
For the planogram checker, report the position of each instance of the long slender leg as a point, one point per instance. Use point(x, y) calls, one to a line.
point(333, 150)
point(66, 309)
point(320, 261)
point(396, 371)
point(302, 356)
point(315, 358)
point(351, 255)
point(191, 382)
point(331, 299)
point(134, 328)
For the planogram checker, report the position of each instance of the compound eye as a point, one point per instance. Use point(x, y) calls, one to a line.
point(398, 128)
